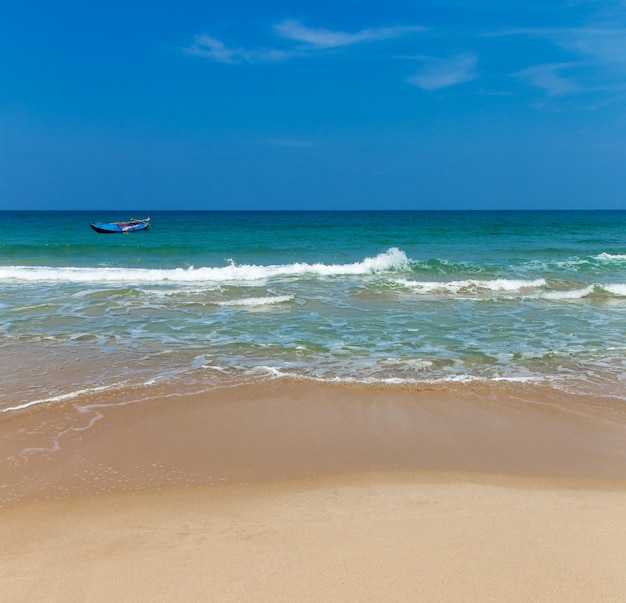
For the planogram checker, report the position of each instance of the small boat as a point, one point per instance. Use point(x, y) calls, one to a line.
point(133, 225)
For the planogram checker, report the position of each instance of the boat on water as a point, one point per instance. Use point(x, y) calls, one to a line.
point(133, 225)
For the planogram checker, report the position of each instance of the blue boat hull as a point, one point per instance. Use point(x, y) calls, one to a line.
point(120, 227)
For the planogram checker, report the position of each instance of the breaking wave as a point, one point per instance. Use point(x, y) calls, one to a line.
point(389, 260)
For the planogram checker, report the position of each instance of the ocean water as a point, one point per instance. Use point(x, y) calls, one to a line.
point(206, 298)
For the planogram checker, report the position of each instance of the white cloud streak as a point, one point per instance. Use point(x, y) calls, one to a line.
point(211, 48)
point(607, 45)
point(319, 38)
point(599, 53)
point(309, 41)
point(604, 44)
point(550, 79)
point(440, 73)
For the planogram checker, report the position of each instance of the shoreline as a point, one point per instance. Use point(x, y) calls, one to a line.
point(288, 429)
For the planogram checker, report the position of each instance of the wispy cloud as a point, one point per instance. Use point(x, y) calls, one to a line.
point(550, 78)
point(607, 45)
point(442, 73)
point(308, 41)
point(327, 38)
point(211, 48)
point(598, 53)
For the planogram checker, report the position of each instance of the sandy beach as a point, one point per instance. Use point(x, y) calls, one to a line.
point(292, 491)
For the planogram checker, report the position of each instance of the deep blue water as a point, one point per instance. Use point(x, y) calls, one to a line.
point(368, 296)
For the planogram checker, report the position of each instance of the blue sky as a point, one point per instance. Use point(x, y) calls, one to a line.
point(434, 104)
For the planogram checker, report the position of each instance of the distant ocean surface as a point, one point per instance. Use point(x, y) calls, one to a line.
point(207, 298)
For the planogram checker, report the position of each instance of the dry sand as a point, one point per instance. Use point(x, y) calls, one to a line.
point(352, 538)
point(293, 492)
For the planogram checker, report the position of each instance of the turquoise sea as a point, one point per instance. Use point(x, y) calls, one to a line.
point(206, 298)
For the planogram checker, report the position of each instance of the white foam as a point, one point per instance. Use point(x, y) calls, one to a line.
point(276, 373)
point(568, 294)
point(253, 302)
point(500, 284)
point(392, 258)
point(615, 289)
point(610, 257)
point(60, 398)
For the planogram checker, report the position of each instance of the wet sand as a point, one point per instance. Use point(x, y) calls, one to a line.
point(284, 491)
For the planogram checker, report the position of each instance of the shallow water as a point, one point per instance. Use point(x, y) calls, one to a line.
point(403, 297)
